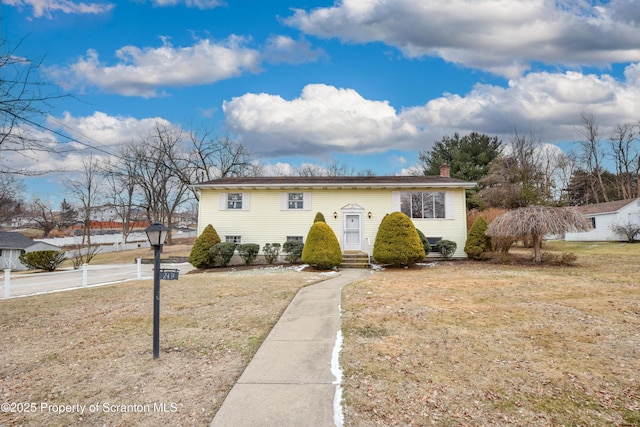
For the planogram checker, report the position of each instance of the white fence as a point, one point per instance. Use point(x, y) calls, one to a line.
point(31, 284)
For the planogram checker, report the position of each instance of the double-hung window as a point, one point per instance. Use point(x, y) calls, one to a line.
point(234, 200)
point(295, 201)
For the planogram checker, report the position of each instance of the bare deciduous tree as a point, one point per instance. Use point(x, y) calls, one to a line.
point(120, 178)
point(86, 189)
point(592, 155)
point(24, 101)
point(41, 213)
point(625, 151)
point(535, 222)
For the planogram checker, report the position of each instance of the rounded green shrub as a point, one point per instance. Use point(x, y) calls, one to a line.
point(293, 250)
point(322, 249)
point(425, 242)
point(477, 241)
point(199, 256)
point(447, 248)
point(319, 217)
point(397, 241)
point(221, 253)
point(271, 252)
point(42, 260)
point(248, 252)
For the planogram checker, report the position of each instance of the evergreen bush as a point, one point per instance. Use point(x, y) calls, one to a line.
point(319, 217)
point(42, 260)
point(425, 242)
point(199, 256)
point(447, 248)
point(248, 252)
point(271, 252)
point(477, 241)
point(397, 241)
point(293, 250)
point(221, 253)
point(322, 249)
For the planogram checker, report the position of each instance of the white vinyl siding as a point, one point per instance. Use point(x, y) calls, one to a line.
point(270, 220)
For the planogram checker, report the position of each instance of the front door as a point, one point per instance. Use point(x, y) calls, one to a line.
point(352, 230)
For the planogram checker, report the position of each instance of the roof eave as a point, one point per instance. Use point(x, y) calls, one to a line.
point(351, 186)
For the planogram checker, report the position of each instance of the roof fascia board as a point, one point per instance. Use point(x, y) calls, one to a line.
point(336, 186)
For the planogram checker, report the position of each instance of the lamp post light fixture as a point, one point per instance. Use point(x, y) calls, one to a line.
point(156, 233)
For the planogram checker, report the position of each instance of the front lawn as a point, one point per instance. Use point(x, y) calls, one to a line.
point(477, 343)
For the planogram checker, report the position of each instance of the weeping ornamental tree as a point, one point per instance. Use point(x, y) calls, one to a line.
point(536, 222)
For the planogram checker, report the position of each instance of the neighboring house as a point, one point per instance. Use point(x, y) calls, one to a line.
point(13, 244)
point(279, 209)
point(603, 216)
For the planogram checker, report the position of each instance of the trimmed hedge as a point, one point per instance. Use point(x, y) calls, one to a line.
point(271, 252)
point(199, 256)
point(447, 248)
point(42, 260)
point(248, 252)
point(221, 253)
point(322, 249)
point(425, 242)
point(293, 250)
point(477, 241)
point(319, 217)
point(397, 241)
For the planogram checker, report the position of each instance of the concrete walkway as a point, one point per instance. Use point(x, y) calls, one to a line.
point(289, 380)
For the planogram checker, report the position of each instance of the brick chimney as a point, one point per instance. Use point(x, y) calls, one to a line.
point(445, 170)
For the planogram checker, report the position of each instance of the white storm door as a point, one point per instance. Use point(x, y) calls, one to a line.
point(352, 231)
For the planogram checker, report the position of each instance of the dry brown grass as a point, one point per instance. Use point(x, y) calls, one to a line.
point(472, 343)
point(94, 346)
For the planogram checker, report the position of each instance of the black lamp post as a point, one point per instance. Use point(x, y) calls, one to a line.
point(156, 233)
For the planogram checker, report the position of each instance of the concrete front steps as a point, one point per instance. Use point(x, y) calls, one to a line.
point(355, 259)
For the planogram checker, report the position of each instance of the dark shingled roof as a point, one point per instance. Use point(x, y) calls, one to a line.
point(13, 240)
point(600, 208)
point(336, 182)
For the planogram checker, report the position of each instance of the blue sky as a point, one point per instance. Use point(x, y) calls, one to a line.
point(369, 83)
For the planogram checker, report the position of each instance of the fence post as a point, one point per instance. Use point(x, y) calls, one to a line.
point(7, 282)
point(85, 271)
point(139, 262)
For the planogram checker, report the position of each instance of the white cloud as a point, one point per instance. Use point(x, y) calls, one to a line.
point(199, 4)
point(281, 48)
point(47, 7)
point(548, 103)
point(141, 72)
point(503, 37)
point(102, 130)
point(323, 119)
point(98, 134)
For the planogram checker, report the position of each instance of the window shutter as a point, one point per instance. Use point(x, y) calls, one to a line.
point(284, 201)
point(246, 201)
point(449, 210)
point(306, 201)
point(223, 202)
point(395, 201)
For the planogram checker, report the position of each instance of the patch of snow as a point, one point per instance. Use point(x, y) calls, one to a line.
point(428, 264)
point(338, 416)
